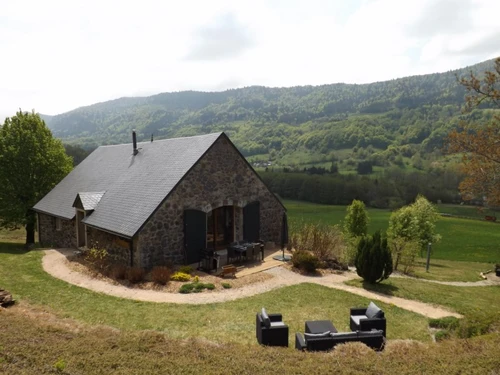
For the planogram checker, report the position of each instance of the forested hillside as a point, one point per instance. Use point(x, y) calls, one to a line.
point(400, 121)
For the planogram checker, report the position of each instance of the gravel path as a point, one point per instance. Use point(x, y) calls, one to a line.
point(55, 263)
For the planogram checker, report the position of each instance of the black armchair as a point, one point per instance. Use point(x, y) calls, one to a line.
point(270, 329)
point(366, 319)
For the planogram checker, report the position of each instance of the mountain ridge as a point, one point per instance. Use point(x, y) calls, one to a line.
point(285, 123)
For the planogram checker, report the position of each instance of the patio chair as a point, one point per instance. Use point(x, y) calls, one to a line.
point(366, 319)
point(270, 329)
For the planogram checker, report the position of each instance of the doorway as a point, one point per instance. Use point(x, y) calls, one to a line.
point(80, 229)
point(220, 227)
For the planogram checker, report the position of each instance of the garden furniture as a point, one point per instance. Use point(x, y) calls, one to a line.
point(270, 329)
point(366, 319)
point(328, 340)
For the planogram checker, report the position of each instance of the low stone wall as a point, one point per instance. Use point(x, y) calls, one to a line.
point(117, 248)
point(50, 237)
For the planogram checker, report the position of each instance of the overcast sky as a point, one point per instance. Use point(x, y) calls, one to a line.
point(59, 55)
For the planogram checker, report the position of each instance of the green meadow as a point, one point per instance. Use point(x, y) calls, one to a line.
point(467, 240)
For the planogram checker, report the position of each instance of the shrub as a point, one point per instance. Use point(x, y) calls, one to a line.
point(161, 275)
point(186, 269)
point(196, 279)
point(118, 272)
point(209, 286)
point(195, 287)
point(180, 276)
point(186, 288)
point(226, 285)
point(98, 258)
point(60, 365)
point(135, 274)
point(474, 326)
point(404, 252)
point(325, 242)
point(442, 335)
point(373, 258)
point(305, 261)
point(448, 322)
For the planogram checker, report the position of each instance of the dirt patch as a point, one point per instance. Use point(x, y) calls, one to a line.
point(77, 263)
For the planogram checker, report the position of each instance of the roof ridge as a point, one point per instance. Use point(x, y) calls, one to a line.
point(167, 139)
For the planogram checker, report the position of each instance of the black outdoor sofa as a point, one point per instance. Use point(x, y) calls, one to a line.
point(326, 341)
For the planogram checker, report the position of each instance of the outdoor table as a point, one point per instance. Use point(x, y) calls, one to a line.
point(319, 326)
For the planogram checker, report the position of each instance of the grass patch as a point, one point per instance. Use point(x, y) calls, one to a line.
point(34, 346)
point(479, 301)
point(462, 239)
point(234, 321)
point(448, 270)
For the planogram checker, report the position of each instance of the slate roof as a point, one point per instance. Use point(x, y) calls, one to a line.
point(134, 186)
point(89, 200)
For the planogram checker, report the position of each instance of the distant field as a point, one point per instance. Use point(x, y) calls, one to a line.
point(462, 239)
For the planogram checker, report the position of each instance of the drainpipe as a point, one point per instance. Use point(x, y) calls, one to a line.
point(131, 252)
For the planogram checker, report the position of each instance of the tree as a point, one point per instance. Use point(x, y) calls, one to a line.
point(356, 220)
point(480, 144)
point(32, 162)
point(415, 223)
point(373, 258)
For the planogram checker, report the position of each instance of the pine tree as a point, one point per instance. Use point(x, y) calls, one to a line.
point(373, 259)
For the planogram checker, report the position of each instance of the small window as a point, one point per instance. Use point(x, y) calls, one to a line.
point(58, 224)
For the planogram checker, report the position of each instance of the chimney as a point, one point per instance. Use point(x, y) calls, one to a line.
point(134, 141)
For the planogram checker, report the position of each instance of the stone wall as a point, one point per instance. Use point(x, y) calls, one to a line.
point(118, 248)
point(50, 237)
point(220, 178)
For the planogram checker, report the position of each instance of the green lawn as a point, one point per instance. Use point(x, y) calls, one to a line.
point(469, 301)
point(462, 239)
point(22, 274)
point(465, 211)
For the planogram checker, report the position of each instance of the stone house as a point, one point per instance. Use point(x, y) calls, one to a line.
point(150, 203)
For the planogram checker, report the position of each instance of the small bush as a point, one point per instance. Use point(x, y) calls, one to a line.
point(195, 287)
point(474, 326)
point(161, 275)
point(180, 276)
point(98, 258)
point(226, 285)
point(135, 274)
point(442, 335)
point(448, 322)
point(305, 261)
point(186, 288)
point(325, 242)
point(118, 272)
point(196, 279)
point(186, 269)
point(60, 365)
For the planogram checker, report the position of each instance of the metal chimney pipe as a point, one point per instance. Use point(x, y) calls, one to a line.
point(134, 141)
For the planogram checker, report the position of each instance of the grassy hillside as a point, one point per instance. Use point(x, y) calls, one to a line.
point(394, 122)
point(465, 240)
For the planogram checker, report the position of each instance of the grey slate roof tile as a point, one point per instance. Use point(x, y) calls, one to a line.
point(134, 185)
point(90, 200)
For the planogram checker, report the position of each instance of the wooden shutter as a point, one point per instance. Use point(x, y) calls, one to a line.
point(251, 222)
point(195, 234)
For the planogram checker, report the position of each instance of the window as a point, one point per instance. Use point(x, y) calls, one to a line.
point(220, 227)
point(58, 224)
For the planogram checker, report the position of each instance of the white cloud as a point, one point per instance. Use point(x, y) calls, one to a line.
point(58, 55)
